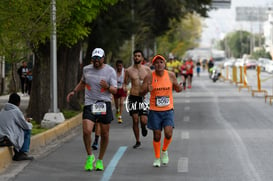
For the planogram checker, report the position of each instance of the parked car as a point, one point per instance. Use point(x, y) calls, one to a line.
point(262, 62)
point(251, 63)
point(239, 62)
point(269, 67)
point(229, 63)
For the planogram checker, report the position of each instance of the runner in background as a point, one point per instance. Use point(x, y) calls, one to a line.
point(189, 68)
point(120, 96)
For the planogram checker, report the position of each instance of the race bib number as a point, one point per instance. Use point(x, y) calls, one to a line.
point(184, 71)
point(99, 108)
point(162, 101)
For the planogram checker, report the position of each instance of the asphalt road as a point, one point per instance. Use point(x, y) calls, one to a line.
point(221, 134)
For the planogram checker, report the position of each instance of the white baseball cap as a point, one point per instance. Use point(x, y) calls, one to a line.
point(98, 52)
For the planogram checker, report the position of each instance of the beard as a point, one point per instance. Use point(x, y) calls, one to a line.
point(137, 62)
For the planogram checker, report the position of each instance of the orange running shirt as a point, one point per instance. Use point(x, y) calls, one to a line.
point(189, 67)
point(161, 96)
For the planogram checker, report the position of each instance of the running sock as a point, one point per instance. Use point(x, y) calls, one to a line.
point(96, 138)
point(166, 143)
point(157, 146)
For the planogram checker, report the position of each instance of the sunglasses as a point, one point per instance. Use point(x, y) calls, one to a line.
point(96, 58)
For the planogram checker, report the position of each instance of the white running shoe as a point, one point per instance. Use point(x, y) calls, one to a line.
point(165, 157)
point(156, 162)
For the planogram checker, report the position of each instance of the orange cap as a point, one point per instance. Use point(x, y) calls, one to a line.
point(158, 57)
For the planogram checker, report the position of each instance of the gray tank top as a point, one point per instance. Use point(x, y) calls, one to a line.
point(92, 77)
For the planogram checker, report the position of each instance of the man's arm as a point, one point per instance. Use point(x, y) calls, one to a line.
point(146, 85)
point(177, 86)
point(126, 79)
point(80, 86)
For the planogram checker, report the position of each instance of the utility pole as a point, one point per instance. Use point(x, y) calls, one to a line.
point(53, 59)
point(54, 117)
point(133, 36)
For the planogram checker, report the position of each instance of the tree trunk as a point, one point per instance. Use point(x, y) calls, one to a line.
point(67, 79)
point(68, 75)
point(39, 102)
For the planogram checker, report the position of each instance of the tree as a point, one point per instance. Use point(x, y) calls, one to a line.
point(238, 43)
point(30, 22)
point(184, 35)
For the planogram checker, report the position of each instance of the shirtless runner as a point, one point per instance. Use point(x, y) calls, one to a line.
point(138, 109)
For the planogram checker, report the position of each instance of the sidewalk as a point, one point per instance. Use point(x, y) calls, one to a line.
point(40, 140)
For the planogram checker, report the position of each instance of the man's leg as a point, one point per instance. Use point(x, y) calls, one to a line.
point(97, 135)
point(116, 100)
point(136, 129)
point(143, 121)
point(26, 144)
point(87, 127)
point(22, 154)
point(120, 107)
point(168, 131)
point(157, 146)
point(103, 145)
point(104, 139)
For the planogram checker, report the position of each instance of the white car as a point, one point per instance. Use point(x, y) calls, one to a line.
point(262, 62)
point(239, 62)
point(269, 67)
point(229, 63)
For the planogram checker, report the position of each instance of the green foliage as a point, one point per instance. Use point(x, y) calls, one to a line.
point(36, 129)
point(260, 54)
point(24, 25)
point(70, 113)
point(238, 43)
point(183, 35)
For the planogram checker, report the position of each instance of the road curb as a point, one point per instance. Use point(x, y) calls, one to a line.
point(41, 139)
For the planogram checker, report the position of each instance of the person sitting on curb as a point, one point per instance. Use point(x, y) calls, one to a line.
point(15, 129)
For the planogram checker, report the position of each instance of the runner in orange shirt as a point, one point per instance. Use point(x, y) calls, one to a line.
point(161, 83)
point(189, 71)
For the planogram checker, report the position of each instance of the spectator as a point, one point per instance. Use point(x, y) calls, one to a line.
point(15, 128)
point(22, 72)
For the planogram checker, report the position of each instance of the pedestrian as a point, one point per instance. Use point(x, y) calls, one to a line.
point(189, 71)
point(22, 72)
point(120, 96)
point(15, 129)
point(183, 71)
point(161, 83)
point(137, 107)
point(198, 67)
point(99, 82)
point(29, 81)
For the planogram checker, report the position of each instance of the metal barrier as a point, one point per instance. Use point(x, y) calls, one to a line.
point(259, 84)
point(245, 83)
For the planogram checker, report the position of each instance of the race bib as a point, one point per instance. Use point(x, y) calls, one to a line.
point(162, 101)
point(99, 108)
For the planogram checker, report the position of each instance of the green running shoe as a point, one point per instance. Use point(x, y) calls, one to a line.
point(156, 162)
point(165, 157)
point(99, 165)
point(89, 162)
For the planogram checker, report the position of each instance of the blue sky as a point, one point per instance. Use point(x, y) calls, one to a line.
point(222, 21)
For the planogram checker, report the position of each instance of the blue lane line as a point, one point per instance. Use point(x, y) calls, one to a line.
point(113, 163)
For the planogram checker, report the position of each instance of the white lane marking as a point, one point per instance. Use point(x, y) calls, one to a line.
point(183, 165)
point(186, 118)
point(187, 101)
point(185, 135)
point(187, 108)
point(113, 163)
